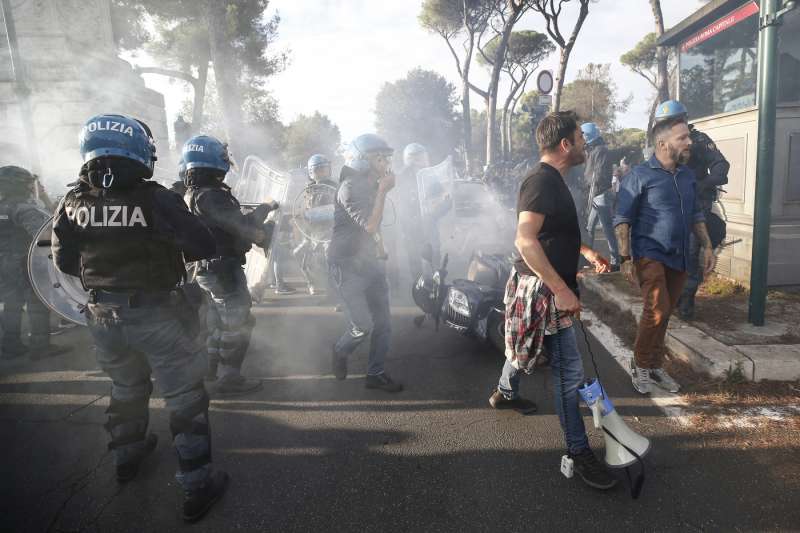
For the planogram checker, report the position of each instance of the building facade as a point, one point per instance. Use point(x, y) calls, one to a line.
point(70, 63)
point(717, 50)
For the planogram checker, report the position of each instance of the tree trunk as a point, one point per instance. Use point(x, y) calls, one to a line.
point(225, 70)
point(199, 97)
point(466, 112)
point(494, 86)
point(565, 52)
point(661, 53)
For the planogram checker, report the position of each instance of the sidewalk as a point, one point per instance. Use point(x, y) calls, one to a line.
point(720, 341)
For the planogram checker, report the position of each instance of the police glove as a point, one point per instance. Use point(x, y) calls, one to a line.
point(260, 213)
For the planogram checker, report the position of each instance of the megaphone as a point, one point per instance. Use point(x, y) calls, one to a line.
point(624, 446)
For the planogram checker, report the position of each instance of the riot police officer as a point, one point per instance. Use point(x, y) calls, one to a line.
point(319, 174)
point(20, 220)
point(711, 170)
point(230, 322)
point(357, 259)
point(598, 176)
point(127, 239)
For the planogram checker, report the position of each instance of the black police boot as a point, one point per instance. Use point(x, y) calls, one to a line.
point(128, 470)
point(383, 382)
point(686, 306)
point(196, 503)
point(14, 349)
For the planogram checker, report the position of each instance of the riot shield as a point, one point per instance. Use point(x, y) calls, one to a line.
point(433, 184)
point(257, 184)
point(61, 292)
point(312, 212)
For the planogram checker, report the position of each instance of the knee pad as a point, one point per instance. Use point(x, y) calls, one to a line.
point(127, 420)
point(185, 420)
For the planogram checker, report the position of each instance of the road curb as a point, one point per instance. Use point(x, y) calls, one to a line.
point(703, 352)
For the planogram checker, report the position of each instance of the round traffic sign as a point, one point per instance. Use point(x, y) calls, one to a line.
point(544, 82)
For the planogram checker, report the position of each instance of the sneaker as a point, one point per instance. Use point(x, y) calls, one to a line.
point(520, 405)
point(127, 471)
point(196, 503)
point(51, 350)
point(592, 471)
point(339, 364)
point(661, 379)
point(285, 289)
point(642, 382)
point(383, 382)
point(234, 384)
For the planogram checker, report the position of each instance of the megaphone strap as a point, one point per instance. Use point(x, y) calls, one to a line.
point(636, 486)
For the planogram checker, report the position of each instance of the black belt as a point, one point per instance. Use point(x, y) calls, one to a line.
point(131, 299)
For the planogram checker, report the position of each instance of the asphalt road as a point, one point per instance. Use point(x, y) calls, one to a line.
point(309, 453)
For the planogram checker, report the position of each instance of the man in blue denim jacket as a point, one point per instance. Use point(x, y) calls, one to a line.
point(657, 210)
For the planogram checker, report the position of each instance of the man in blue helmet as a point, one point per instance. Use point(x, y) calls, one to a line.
point(598, 176)
point(356, 257)
point(127, 238)
point(230, 322)
point(711, 172)
point(319, 173)
point(657, 211)
point(20, 220)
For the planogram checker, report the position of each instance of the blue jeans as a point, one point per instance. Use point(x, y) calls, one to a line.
point(132, 344)
point(364, 290)
point(567, 366)
point(601, 210)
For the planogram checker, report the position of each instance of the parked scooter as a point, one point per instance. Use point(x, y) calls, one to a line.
point(472, 306)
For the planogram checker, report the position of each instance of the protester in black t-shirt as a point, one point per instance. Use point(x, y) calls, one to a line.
point(542, 292)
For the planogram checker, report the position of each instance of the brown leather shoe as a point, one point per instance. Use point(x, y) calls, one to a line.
point(520, 405)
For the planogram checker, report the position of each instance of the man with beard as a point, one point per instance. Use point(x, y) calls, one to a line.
point(542, 291)
point(656, 207)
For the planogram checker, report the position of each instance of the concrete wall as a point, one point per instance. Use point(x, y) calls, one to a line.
point(73, 71)
point(736, 135)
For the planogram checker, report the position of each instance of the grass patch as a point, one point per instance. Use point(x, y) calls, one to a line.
point(716, 285)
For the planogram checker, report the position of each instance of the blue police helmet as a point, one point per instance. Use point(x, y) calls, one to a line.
point(670, 109)
point(204, 151)
point(363, 145)
point(590, 132)
point(315, 161)
point(118, 136)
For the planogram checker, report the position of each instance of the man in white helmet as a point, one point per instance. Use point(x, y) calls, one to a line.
point(357, 260)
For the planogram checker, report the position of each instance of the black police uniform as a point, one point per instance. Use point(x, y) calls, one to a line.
point(20, 220)
point(230, 322)
point(711, 170)
point(128, 245)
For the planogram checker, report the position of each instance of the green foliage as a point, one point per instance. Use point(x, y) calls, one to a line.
point(419, 108)
point(642, 58)
point(627, 143)
point(308, 135)
point(444, 17)
point(734, 375)
point(526, 49)
point(593, 95)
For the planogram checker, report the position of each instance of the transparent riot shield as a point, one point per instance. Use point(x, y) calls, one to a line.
point(257, 184)
point(312, 212)
point(434, 184)
point(62, 293)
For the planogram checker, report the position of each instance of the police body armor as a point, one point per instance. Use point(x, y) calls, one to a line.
point(119, 245)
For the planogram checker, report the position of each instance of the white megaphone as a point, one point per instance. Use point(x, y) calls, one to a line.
point(621, 441)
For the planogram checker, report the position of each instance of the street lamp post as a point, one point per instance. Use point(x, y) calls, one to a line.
point(770, 18)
